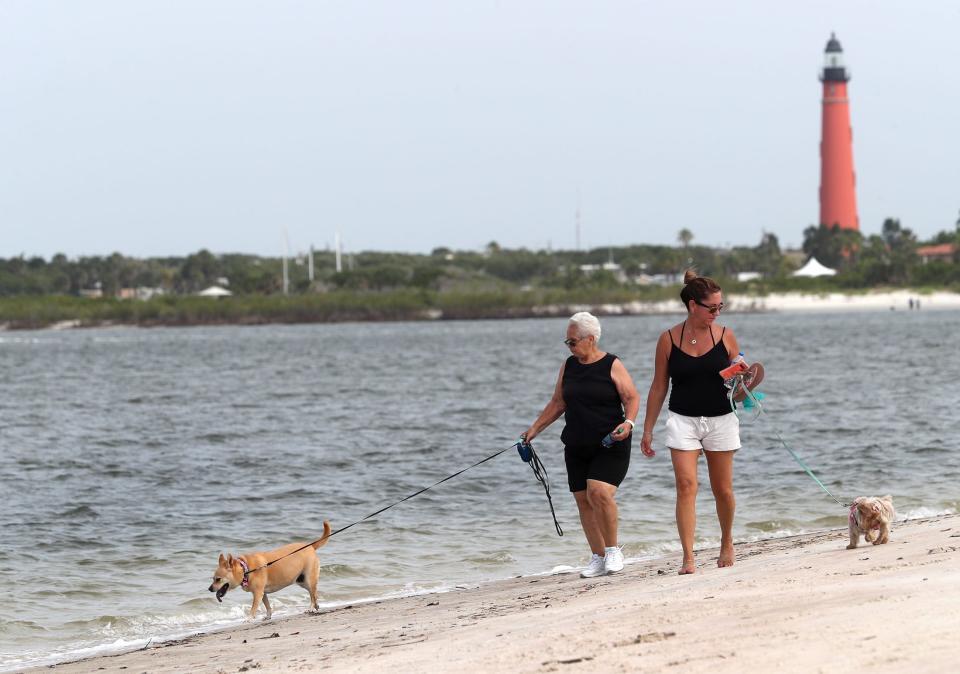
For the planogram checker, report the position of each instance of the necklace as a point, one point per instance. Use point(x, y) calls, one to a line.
point(693, 340)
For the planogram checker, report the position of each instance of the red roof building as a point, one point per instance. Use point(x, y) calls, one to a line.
point(944, 252)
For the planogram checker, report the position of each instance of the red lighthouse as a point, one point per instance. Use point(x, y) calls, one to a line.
point(838, 199)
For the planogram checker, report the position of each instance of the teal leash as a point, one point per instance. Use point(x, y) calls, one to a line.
point(759, 407)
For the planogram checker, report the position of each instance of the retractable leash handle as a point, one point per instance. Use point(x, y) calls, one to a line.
point(529, 456)
point(524, 449)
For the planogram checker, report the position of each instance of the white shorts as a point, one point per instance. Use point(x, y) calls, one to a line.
point(714, 434)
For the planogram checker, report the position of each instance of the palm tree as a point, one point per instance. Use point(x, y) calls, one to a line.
point(685, 236)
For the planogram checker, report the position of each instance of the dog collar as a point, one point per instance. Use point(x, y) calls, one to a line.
point(246, 570)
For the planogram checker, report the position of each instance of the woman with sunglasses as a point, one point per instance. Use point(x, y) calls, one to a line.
point(597, 397)
point(690, 355)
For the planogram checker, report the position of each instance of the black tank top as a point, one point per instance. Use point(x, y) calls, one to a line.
point(698, 389)
point(593, 403)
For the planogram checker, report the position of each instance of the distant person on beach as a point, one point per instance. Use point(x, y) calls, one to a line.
point(690, 355)
point(597, 397)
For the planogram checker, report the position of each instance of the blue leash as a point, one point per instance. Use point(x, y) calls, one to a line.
point(758, 406)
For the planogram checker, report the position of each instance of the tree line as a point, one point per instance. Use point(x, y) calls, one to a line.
point(888, 258)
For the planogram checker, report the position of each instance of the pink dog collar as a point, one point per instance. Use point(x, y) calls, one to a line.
point(246, 570)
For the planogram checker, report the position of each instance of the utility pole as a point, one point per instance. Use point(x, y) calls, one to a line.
point(339, 252)
point(310, 264)
point(286, 252)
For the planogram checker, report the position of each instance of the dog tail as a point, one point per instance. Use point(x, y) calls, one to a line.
point(320, 542)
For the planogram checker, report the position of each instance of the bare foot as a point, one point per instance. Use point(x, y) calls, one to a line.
point(727, 556)
point(688, 566)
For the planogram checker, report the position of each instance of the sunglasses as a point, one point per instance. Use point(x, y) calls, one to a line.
point(712, 308)
point(573, 342)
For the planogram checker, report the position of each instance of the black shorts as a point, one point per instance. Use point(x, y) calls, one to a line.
point(596, 462)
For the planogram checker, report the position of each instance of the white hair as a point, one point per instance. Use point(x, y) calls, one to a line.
point(587, 324)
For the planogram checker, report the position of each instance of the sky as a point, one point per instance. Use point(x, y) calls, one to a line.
point(156, 128)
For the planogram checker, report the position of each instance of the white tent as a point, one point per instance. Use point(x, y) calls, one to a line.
point(814, 268)
point(215, 291)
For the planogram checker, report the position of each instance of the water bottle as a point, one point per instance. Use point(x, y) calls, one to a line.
point(609, 439)
point(737, 365)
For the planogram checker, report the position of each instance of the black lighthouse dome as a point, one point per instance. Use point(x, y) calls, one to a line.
point(834, 69)
point(833, 44)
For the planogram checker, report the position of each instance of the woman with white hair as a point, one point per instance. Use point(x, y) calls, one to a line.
point(597, 397)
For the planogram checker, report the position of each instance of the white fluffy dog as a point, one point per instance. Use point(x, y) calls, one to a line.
point(871, 517)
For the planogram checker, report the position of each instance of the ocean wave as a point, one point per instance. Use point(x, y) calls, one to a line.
point(492, 559)
point(922, 512)
point(79, 512)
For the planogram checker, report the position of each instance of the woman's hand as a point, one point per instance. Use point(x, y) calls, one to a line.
point(646, 444)
point(529, 434)
point(622, 431)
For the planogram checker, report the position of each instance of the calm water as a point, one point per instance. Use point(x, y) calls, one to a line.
point(130, 458)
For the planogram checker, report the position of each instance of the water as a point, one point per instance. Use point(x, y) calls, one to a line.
point(131, 458)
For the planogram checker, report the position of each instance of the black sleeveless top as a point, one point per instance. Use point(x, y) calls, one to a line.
point(698, 389)
point(593, 402)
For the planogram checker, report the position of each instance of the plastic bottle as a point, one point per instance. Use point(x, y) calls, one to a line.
point(609, 439)
point(737, 365)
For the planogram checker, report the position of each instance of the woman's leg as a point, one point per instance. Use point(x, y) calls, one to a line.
point(720, 465)
point(685, 472)
point(600, 496)
point(588, 520)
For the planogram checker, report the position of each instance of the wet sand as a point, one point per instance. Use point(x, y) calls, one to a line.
point(800, 604)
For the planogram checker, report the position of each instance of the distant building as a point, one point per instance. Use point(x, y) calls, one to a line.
point(96, 292)
point(813, 268)
point(944, 252)
point(215, 291)
point(611, 267)
point(138, 293)
point(838, 199)
point(658, 279)
point(744, 276)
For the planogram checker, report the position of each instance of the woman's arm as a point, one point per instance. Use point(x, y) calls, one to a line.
point(628, 396)
point(730, 341)
point(657, 394)
point(551, 412)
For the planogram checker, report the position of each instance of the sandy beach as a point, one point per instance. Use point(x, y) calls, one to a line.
point(800, 604)
point(786, 302)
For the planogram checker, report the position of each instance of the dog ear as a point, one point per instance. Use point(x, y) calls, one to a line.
point(222, 559)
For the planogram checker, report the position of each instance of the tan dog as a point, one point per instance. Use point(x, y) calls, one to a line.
point(251, 573)
point(871, 517)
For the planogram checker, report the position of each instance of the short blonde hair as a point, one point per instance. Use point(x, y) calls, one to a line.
point(587, 324)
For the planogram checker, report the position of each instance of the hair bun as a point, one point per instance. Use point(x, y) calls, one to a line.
point(689, 275)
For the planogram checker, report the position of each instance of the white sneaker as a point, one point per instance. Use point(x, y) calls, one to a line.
point(613, 560)
point(594, 568)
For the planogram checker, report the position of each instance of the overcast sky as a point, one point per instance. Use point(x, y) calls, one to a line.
point(159, 128)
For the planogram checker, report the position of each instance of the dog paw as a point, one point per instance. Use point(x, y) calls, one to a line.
point(851, 546)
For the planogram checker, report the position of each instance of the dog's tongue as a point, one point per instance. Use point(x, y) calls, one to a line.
point(222, 591)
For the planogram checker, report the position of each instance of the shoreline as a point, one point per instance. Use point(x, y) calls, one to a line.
point(786, 302)
point(789, 604)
